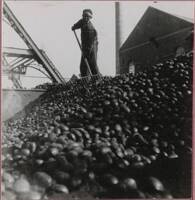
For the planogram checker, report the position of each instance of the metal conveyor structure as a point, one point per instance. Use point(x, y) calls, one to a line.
point(24, 58)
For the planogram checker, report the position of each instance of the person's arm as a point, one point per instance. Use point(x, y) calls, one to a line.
point(77, 25)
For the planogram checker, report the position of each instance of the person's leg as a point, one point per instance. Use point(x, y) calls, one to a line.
point(83, 67)
point(93, 61)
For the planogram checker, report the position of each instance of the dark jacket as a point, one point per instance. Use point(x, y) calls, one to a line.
point(88, 34)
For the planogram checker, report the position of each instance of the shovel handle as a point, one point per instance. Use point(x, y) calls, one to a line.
point(85, 59)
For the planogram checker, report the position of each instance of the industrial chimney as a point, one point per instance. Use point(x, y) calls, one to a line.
point(118, 34)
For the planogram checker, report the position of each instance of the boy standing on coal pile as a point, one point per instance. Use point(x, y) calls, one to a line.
point(89, 43)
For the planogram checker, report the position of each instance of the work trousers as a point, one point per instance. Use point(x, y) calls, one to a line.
point(92, 61)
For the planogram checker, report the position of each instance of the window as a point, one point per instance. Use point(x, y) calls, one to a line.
point(154, 42)
point(131, 68)
point(180, 51)
point(123, 61)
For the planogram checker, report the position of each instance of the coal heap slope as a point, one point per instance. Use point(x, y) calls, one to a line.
point(128, 136)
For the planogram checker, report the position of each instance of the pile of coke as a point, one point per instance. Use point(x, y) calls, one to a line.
point(124, 137)
point(43, 86)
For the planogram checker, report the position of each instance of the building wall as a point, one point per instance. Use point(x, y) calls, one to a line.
point(148, 54)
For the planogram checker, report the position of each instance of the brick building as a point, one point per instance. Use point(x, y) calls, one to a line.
point(157, 37)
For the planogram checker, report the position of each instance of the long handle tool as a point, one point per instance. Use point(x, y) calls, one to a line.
point(85, 59)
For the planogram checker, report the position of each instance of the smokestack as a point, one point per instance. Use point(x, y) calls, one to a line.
point(118, 34)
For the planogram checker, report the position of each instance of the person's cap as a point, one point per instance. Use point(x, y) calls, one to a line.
point(88, 12)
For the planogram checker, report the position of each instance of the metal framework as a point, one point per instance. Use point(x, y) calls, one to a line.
point(23, 58)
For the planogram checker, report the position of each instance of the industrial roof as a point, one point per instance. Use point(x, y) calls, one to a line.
point(154, 24)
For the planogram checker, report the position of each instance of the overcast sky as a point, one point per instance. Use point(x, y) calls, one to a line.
point(49, 25)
